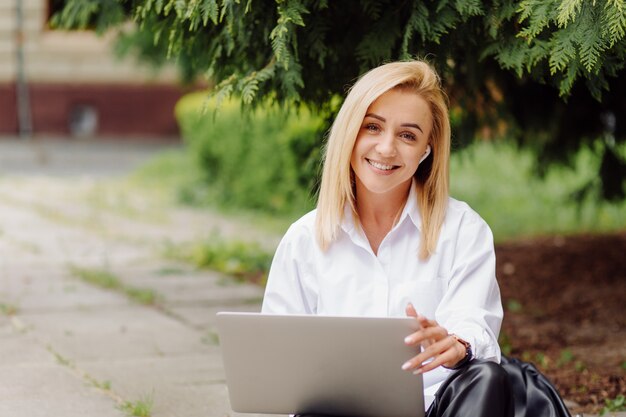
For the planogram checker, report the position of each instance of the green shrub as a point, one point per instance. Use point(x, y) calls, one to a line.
point(247, 261)
point(254, 160)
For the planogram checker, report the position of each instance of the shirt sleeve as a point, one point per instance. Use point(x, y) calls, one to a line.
point(471, 307)
point(290, 285)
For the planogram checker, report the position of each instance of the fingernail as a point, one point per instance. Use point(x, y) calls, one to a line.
point(408, 339)
point(406, 366)
point(417, 371)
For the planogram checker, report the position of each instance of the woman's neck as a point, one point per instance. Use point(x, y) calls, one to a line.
point(378, 213)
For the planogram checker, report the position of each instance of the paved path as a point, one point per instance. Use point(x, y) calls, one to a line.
point(69, 348)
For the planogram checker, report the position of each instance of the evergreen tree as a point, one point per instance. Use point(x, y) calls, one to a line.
point(549, 73)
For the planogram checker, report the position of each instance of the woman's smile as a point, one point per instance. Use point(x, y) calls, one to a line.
point(380, 166)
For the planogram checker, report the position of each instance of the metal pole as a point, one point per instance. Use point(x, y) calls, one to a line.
point(24, 119)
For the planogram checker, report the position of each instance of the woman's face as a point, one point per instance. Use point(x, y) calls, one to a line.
point(391, 141)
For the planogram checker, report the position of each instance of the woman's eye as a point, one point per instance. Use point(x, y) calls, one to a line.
point(407, 136)
point(372, 128)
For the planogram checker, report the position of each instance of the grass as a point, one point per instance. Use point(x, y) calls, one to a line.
point(61, 360)
point(499, 182)
point(211, 338)
point(140, 408)
point(244, 260)
point(8, 309)
point(103, 385)
point(105, 279)
point(614, 405)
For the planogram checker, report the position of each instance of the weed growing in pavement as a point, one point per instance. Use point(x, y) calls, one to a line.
point(211, 338)
point(139, 408)
point(247, 261)
point(614, 405)
point(61, 359)
point(8, 309)
point(103, 385)
point(106, 279)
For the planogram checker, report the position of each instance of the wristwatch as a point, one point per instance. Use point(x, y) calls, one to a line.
point(468, 353)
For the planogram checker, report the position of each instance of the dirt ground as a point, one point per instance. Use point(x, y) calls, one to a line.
point(565, 311)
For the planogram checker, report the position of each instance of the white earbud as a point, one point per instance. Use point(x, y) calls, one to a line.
point(426, 153)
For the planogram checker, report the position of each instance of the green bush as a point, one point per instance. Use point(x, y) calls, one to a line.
point(254, 160)
point(499, 181)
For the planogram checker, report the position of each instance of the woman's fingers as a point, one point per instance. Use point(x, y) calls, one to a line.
point(442, 352)
point(425, 322)
point(410, 310)
point(436, 343)
point(426, 334)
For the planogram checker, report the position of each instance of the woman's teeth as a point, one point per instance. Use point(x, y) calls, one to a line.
point(380, 166)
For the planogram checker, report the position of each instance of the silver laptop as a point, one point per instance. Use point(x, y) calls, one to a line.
point(280, 364)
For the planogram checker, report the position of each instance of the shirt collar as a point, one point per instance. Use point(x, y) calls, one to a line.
point(410, 210)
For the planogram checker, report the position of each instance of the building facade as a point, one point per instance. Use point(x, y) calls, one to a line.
point(56, 82)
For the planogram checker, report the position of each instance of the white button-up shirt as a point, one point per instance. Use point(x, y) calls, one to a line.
point(456, 286)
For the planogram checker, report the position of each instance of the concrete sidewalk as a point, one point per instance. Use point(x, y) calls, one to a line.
point(69, 348)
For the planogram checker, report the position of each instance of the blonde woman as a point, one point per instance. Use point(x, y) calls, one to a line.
point(387, 240)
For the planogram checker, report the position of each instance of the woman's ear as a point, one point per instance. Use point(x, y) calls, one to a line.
point(426, 153)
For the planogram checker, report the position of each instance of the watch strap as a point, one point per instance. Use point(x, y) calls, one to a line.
point(468, 354)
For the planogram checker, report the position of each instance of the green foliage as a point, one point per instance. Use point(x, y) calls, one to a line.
point(505, 343)
point(576, 38)
point(88, 14)
point(140, 408)
point(566, 357)
point(514, 306)
point(8, 309)
point(259, 160)
point(247, 261)
point(241, 39)
point(614, 405)
point(498, 180)
point(107, 280)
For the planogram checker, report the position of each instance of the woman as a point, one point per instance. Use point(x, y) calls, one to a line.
point(387, 240)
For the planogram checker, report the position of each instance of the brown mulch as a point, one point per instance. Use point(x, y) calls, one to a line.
point(565, 311)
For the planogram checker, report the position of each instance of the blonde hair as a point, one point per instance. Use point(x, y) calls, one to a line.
point(336, 188)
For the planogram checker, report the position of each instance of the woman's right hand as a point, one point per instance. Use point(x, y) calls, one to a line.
point(436, 344)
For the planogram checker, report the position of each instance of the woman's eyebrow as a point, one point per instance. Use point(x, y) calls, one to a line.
point(382, 119)
point(412, 125)
point(375, 116)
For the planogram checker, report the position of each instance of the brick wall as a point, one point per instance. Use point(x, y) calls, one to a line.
point(127, 110)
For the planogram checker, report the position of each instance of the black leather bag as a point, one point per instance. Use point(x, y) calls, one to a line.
point(534, 395)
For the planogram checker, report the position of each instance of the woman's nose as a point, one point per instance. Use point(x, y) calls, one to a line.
point(386, 145)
